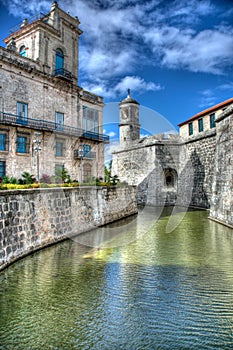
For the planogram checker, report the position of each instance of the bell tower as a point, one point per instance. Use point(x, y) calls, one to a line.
point(51, 40)
point(129, 121)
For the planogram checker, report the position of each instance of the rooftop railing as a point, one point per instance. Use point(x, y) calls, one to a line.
point(64, 73)
point(30, 20)
point(44, 125)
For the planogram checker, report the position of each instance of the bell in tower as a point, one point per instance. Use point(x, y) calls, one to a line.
point(129, 121)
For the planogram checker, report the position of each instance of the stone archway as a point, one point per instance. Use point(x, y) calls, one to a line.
point(170, 178)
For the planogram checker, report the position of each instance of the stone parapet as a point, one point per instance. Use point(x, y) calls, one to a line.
point(33, 219)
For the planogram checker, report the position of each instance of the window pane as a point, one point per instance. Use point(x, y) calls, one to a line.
point(21, 144)
point(22, 51)
point(90, 120)
point(212, 120)
point(59, 149)
point(2, 142)
point(200, 125)
point(190, 128)
point(86, 149)
point(22, 112)
point(59, 61)
point(2, 169)
point(59, 120)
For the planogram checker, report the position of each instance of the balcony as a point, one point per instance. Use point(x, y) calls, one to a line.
point(63, 74)
point(36, 17)
point(89, 155)
point(44, 125)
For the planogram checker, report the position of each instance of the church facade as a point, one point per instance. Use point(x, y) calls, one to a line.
point(194, 168)
point(47, 121)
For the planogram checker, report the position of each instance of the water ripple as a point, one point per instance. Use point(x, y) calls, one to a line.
point(160, 292)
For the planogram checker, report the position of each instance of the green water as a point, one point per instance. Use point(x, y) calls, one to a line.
point(146, 289)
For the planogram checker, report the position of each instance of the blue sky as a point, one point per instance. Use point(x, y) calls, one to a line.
point(176, 56)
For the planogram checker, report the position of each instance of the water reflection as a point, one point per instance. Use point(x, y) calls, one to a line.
point(159, 291)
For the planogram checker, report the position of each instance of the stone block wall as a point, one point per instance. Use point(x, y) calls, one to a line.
point(221, 208)
point(33, 219)
point(196, 170)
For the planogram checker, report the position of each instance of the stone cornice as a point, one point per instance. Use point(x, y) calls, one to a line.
point(28, 29)
point(17, 60)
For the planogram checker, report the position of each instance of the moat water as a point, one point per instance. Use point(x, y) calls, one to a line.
point(153, 290)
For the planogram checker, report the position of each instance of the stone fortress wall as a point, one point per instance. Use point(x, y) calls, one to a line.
point(221, 207)
point(33, 219)
point(194, 171)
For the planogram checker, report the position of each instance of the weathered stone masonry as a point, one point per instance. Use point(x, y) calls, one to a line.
point(197, 168)
point(33, 219)
point(221, 208)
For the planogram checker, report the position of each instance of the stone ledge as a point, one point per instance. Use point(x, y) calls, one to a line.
point(220, 222)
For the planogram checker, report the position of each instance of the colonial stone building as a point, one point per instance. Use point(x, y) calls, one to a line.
point(46, 120)
point(194, 168)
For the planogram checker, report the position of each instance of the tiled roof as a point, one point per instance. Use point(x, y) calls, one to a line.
point(208, 111)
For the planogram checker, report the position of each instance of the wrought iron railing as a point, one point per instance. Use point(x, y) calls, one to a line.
point(88, 155)
point(36, 17)
point(64, 73)
point(44, 125)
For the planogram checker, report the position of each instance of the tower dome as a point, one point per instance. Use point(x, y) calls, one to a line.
point(129, 99)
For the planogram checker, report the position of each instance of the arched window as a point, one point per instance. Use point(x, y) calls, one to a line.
point(170, 178)
point(22, 51)
point(59, 61)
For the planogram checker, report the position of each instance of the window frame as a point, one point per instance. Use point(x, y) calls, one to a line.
point(22, 51)
point(200, 125)
point(90, 119)
point(212, 121)
point(4, 144)
point(59, 152)
point(86, 149)
point(59, 61)
point(2, 168)
point(59, 166)
point(59, 121)
point(87, 172)
point(190, 128)
point(22, 112)
point(26, 144)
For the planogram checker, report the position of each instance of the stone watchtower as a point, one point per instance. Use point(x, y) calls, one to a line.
point(129, 121)
point(51, 40)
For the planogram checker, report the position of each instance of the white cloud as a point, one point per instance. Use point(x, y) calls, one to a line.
point(25, 8)
point(227, 86)
point(111, 134)
point(121, 36)
point(207, 51)
point(135, 83)
point(112, 147)
point(207, 99)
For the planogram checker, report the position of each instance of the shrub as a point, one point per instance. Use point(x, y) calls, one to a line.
point(62, 175)
point(27, 179)
point(46, 179)
point(9, 180)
